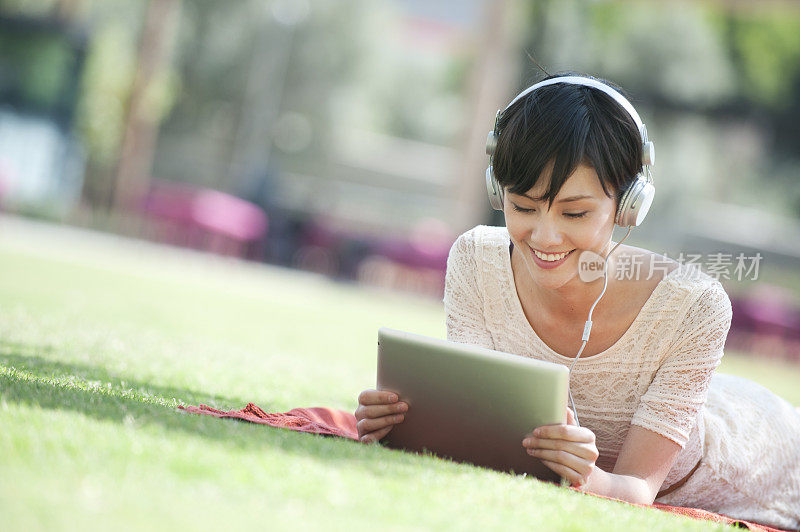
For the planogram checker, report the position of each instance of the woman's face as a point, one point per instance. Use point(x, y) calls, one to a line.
point(581, 218)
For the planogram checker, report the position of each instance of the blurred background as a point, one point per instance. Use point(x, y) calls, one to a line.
point(347, 137)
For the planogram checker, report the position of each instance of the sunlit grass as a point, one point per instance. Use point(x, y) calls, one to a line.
point(780, 376)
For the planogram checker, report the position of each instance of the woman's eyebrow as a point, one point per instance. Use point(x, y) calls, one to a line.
point(575, 198)
point(564, 200)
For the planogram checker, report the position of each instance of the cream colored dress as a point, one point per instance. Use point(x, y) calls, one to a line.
point(659, 375)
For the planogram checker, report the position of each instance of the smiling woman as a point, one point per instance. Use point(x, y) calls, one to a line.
point(570, 159)
point(566, 158)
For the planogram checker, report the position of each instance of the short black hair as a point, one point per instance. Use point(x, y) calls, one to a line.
point(568, 125)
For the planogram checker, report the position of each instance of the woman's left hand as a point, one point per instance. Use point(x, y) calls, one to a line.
point(567, 449)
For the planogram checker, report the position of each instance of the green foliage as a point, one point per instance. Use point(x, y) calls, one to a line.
point(768, 43)
point(110, 69)
point(648, 48)
point(690, 53)
point(43, 62)
point(28, 7)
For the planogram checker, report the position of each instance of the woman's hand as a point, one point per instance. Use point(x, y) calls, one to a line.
point(377, 413)
point(568, 450)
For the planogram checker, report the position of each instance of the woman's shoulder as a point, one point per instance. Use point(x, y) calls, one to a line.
point(642, 263)
point(678, 288)
point(690, 295)
point(479, 238)
point(478, 255)
point(484, 234)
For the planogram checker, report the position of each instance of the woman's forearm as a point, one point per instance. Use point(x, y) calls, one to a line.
point(624, 487)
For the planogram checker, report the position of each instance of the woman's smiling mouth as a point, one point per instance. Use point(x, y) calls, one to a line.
point(551, 257)
point(550, 260)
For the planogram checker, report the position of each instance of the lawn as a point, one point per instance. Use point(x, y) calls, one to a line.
point(101, 339)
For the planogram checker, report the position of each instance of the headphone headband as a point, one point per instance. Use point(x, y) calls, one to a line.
point(588, 82)
point(648, 155)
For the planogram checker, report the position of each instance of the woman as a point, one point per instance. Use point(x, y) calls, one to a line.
point(656, 423)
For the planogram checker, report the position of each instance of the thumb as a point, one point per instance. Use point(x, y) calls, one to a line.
point(570, 417)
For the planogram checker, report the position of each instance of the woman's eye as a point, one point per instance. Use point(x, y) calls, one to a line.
point(567, 214)
point(520, 209)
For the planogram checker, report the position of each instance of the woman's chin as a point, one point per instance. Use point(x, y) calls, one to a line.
point(549, 279)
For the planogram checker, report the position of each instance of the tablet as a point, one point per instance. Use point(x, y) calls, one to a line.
point(469, 403)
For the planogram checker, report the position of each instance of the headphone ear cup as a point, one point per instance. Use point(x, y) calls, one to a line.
point(635, 203)
point(494, 190)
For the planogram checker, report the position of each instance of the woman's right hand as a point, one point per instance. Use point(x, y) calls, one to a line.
point(377, 413)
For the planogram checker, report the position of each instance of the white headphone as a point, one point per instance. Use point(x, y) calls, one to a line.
point(638, 196)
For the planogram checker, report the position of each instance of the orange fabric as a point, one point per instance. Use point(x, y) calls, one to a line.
point(318, 420)
point(333, 422)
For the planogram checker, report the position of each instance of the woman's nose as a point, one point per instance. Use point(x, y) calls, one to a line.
point(547, 234)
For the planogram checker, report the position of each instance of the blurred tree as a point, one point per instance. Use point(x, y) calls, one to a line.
point(106, 88)
point(766, 49)
point(149, 100)
point(654, 49)
point(766, 45)
point(40, 59)
point(29, 8)
point(404, 88)
point(255, 74)
point(734, 65)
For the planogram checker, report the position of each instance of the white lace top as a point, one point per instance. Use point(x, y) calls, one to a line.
point(659, 375)
point(655, 376)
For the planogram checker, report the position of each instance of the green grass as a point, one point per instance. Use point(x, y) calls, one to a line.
point(100, 340)
point(779, 376)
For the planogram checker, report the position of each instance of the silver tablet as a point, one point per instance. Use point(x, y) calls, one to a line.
point(469, 403)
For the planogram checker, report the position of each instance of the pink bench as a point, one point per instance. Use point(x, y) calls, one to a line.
point(206, 219)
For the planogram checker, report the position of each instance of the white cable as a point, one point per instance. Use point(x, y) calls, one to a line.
point(587, 328)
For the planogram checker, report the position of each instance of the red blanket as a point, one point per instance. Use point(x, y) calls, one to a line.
point(329, 421)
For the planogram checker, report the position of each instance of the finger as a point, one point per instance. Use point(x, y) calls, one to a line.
point(570, 417)
point(573, 476)
point(587, 451)
point(373, 411)
point(375, 397)
point(564, 432)
point(368, 425)
point(576, 463)
point(376, 435)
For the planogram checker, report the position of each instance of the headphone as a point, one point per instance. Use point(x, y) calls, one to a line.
point(638, 196)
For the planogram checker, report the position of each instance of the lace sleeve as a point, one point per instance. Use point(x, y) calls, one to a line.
point(463, 300)
point(680, 386)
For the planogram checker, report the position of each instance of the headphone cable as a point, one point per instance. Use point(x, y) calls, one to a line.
point(587, 328)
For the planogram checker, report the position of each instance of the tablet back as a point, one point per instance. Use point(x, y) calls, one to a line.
point(469, 403)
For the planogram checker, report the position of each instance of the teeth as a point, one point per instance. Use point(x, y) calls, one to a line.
point(550, 257)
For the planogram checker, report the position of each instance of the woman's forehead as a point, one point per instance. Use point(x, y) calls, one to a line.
point(584, 181)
